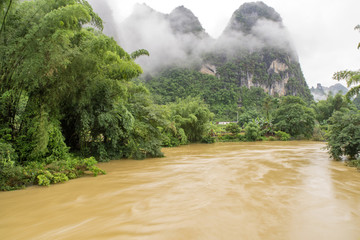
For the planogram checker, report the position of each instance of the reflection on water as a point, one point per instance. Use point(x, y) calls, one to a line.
point(271, 190)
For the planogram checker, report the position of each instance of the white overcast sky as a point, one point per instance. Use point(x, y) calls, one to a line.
point(322, 30)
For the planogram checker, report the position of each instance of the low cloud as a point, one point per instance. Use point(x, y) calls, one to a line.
point(151, 30)
point(104, 10)
point(273, 34)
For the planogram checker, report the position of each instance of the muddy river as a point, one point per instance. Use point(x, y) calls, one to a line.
point(262, 190)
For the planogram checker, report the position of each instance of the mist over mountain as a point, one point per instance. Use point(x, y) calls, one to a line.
point(257, 49)
point(254, 50)
point(255, 26)
point(183, 21)
point(247, 16)
point(175, 38)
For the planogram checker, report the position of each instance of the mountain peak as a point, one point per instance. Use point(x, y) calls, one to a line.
point(143, 10)
point(182, 20)
point(246, 17)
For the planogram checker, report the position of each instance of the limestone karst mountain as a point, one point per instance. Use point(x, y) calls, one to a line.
point(255, 45)
point(254, 50)
point(247, 16)
point(183, 21)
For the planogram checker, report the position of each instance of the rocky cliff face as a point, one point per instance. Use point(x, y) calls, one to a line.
point(208, 69)
point(278, 87)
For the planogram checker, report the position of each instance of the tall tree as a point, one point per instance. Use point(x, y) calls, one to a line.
point(60, 73)
point(193, 116)
point(36, 44)
point(294, 117)
point(344, 134)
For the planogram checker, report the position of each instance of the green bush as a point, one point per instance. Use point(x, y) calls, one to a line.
point(173, 136)
point(47, 178)
point(61, 177)
point(44, 179)
point(318, 134)
point(7, 154)
point(354, 163)
point(294, 117)
point(252, 131)
point(227, 138)
point(208, 139)
point(271, 138)
point(169, 140)
point(282, 136)
point(241, 137)
point(233, 128)
point(11, 176)
point(14, 177)
point(344, 135)
point(246, 117)
point(191, 115)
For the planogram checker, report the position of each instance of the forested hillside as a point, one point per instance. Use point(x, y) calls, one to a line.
point(253, 51)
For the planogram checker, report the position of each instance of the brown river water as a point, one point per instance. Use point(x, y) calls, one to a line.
point(262, 190)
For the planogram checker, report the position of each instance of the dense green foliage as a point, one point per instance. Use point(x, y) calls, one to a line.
point(344, 125)
point(357, 102)
point(191, 115)
point(233, 128)
point(176, 83)
point(229, 89)
point(344, 134)
point(294, 117)
point(14, 176)
point(230, 101)
point(336, 122)
point(252, 131)
point(325, 108)
point(66, 96)
point(282, 136)
point(63, 83)
point(189, 121)
point(66, 91)
point(225, 99)
point(44, 49)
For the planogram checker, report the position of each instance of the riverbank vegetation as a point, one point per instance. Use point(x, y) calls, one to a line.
point(344, 129)
point(67, 99)
point(70, 96)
